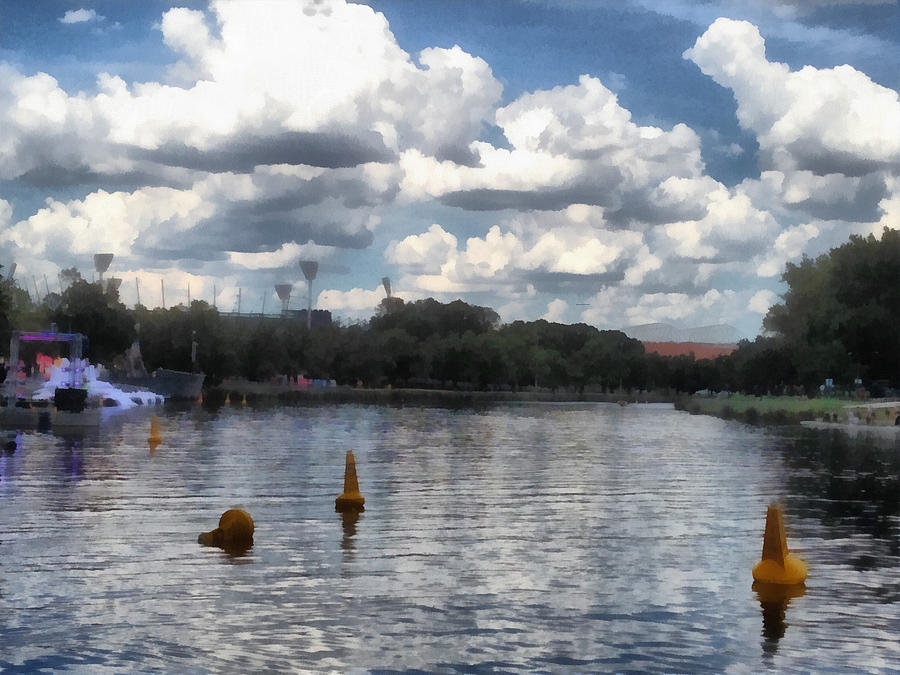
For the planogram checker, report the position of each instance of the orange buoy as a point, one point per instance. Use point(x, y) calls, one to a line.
point(350, 499)
point(235, 531)
point(778, 566)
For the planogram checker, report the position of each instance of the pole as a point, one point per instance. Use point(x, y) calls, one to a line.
point(214, 296)
point(239, 302)
point(162, 290)
point(309, 305)
point(37, 293)
point(189, 295)
point(137, 287)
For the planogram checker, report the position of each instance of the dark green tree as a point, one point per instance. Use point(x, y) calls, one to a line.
point(839, 317)
point(86, 308)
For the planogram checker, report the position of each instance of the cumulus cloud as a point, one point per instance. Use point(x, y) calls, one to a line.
point(81, 15)
point(761, 301)
point(572, 144)
point(358, 302)
point(556, 311)
point(788, 246)
point(236, 162)
point(826, 121)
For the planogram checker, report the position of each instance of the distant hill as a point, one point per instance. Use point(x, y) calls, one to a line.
point(719, 334)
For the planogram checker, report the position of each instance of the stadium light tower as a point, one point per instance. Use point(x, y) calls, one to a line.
point(386, 282)
point(284, 294)
point(310, 269)
point(101, 264)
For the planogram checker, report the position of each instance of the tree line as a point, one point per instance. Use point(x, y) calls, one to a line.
point(839, 320)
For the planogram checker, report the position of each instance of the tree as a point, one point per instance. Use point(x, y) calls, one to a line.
point(839, 315)
point(108, 325)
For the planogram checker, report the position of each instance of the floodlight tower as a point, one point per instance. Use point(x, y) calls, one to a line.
point(284, 294)
point(310, 268)
point(101, 264)
point(386, 282)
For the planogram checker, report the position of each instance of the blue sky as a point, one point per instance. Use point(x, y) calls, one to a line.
point(612, 163)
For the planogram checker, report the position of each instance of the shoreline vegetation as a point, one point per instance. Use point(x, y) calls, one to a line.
point(786, 410)
point(238, 390)
point(755, 410)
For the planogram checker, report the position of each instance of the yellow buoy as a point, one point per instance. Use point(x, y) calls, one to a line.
point(227, 399)
point(154, 439)
point(777, 565)
point(244, 399)
point(235, 531)
point(200, 398)
point(350, 499)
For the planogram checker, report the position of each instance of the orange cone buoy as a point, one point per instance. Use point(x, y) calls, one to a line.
point(200, 398)
point(227, 399)
point(235, 531)
point(777, 565)
point(350, 499)
point(244, 399)
point(154, 439)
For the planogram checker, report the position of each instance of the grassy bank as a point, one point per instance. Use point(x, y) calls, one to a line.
point(778, 409)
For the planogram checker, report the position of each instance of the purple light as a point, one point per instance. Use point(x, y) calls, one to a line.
point(47, 337)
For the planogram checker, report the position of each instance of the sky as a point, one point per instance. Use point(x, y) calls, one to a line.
point(616, 164)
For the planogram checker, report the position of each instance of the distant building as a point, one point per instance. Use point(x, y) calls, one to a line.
point(320, 317)
point(700, 350)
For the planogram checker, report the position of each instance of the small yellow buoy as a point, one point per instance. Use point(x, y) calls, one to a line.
point(350, 499)
point(235, 531)
point(154, 439)
point(777, 565)
point(244, 399)
point(227, 399)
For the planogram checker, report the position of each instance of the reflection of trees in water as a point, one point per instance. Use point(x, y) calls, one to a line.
point(847, 482)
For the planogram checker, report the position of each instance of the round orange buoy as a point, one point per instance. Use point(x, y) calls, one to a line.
point(777, 565)
point(350, 499)
point(235, 531)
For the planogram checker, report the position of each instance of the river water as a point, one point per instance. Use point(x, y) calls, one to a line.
point(514, 538)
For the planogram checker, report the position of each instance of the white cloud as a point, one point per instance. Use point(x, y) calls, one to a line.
point(358, 303)
point(575, 138)
point(425, 252)
point(287, 255)
point(103, 221)
point(761, 301)
point(833, 120)
point(81, 15)
point(789, 245)
point(556, 311)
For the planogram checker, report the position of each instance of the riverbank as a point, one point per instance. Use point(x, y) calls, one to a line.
point(236, 391)
point(781, 410)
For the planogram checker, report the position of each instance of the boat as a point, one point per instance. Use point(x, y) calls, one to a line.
point(172, 384)
point(65, 395)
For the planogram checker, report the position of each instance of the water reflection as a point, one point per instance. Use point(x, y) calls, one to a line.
point(71, 456)
point(774, 600)
point(848, 483)
point(523, 538)
point(349, 519)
